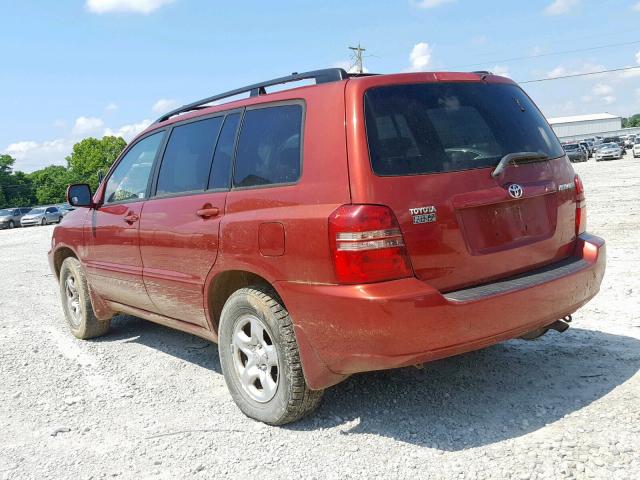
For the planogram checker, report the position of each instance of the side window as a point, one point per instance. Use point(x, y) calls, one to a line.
point(269, 146)
point(129, 180)
point(221, 171)
point(187, 159)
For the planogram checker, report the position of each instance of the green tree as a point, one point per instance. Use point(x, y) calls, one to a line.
point(92, 155)
point(50, 184)
point(15, 187)
point(633, 121)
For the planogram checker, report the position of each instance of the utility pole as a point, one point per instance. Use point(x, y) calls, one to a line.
point(357, 58)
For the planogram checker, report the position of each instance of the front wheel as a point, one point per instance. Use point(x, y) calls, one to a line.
point(78, 311)
point(43, 222)
point(260, 358)
point(11, 224)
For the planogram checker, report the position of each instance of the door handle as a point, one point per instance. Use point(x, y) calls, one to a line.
point(208, 211)
point(131, 218)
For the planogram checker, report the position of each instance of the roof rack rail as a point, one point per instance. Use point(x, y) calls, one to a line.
point(320, 76)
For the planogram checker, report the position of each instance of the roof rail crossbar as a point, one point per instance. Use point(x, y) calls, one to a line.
point(320, 76)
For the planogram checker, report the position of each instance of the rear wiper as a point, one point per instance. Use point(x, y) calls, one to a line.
point(518, 157)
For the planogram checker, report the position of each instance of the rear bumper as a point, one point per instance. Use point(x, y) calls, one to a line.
point(345, 329)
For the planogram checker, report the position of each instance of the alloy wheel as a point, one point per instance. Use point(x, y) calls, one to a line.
point(73, 301)
point(255, 358)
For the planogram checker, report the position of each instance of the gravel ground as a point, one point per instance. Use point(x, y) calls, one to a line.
point(149, 402)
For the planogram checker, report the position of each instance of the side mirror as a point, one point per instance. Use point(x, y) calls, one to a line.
point(79, 195)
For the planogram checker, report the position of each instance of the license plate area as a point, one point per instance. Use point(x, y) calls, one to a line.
point(500, 226)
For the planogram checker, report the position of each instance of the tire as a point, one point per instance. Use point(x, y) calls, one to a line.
point(246, 316)
point(11, 224)
point(59, 219)
point(43, 222)
point(76, 303)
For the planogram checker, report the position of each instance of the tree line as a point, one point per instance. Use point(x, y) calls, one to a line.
point(49, 185)
point(632, 121)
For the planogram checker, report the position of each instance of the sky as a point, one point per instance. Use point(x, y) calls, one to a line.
point(77, 68)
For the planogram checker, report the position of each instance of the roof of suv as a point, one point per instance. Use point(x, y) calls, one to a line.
point(329, 75)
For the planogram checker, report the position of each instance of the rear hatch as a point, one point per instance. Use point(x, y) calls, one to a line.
point(428, 149)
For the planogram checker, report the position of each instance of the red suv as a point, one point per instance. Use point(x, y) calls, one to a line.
point(359, 223)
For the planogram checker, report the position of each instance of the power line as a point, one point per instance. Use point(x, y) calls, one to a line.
point(548, 54)
point(574, 75)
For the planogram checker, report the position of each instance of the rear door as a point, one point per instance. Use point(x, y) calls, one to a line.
point(113, 260)
point(180, 224)
point(430, 151)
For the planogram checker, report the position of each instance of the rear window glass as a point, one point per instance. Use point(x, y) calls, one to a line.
point(441, 127)
point(269, 146)
point(187, 159)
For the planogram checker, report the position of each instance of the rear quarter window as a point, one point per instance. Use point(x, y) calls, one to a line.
point(269, 146)
point(441, 127)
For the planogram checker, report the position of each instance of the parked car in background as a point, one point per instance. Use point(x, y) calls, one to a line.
point(617, 140)
point(64, 209)
point(41, 216)
point(595, 140)
point(10, 217)
point(587, 146)
point(631, 140)
point(575, 152)
point(609, 151)
point(636, 149)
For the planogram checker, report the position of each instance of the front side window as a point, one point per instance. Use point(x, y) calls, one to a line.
point(440, 127)
point(269, 147)
point(187, 158)
point(129, 179)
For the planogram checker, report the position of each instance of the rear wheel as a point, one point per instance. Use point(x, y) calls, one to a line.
point(76, 303)
point(260, 358)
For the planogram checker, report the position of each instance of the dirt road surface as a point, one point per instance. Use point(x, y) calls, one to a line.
point(149, 402)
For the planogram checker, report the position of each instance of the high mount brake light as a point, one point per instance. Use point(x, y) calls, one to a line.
point(367, 245)
point(581, 206)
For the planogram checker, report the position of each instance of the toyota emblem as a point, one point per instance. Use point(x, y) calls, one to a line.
point(515, 190)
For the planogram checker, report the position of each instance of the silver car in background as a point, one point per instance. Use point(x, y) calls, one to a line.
point(608, 151)
point(10, 217)
point(42, 216)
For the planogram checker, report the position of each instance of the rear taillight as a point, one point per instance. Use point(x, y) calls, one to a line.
point(367, 245)
point(581, 206)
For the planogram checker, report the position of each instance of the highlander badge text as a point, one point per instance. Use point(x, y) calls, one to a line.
point(423, 214)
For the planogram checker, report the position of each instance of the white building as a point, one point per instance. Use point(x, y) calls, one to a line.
point(581, 126)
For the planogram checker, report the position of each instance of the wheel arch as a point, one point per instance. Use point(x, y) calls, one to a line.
point(60, 255)
point(223, 284)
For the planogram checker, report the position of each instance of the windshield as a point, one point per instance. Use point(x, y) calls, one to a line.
point(571, 146)
point(610, 145)
point(440, 127)
point(35, 211)
point(4, 213)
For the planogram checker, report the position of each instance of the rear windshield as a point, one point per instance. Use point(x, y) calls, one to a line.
point(442, 127)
